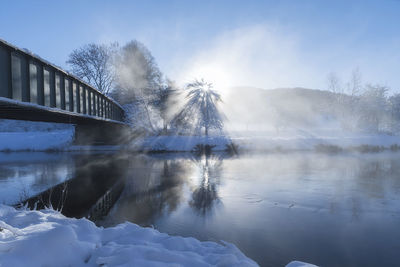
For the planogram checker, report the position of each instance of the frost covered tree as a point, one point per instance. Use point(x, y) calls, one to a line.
point(354, 90)
point(374, 108)
point(334, 83)
point(93, 63)
point(166, 98)
point(394, 109)
point(138, 84)
point(201, 108)
point(346, 104)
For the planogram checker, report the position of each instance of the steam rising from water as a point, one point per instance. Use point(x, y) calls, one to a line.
point(251, 56)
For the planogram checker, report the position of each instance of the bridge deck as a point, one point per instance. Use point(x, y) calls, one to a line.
point(16, 110)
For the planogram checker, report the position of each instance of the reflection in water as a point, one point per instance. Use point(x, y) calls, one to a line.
point(332, 210)
point(205, 196)
point(23, 175)
point(153, 187)
point(97, 183)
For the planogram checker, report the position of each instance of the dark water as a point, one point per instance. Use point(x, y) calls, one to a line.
point(330, 210)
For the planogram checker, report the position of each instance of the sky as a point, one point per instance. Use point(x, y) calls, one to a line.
point(265, 44)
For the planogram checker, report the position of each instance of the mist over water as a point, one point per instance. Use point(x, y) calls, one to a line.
point(331, 210)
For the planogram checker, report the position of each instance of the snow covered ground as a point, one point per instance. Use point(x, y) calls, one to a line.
point(35, 141)
point(300, 264)
point(179, 143)
point(47, 238)
point(41, 136)
point(264, 142)
point(302, 142)
point(36, 136)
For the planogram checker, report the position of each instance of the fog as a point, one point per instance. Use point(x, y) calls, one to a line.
point(253, 56)
point(242, 61)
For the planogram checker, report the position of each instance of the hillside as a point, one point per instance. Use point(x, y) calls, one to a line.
point(279, 108)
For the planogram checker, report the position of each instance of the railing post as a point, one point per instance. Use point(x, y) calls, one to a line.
point(89, 101)
point(85, 100)
point(52, 82)
point(62, 90)
point(40, 83)
point(94, 104)
point(78, 98)
point(101, 106)
point(98, 104)
point(106, 108)
point(71, 96)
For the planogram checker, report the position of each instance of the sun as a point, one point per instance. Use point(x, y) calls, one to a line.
point(219, 80)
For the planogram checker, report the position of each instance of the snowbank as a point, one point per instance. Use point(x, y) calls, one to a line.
point(264, 142)
point(300, 264)
point(36, 141)
point(304, 142)
point(179, 143)
point(37, 136)
point(47, 238)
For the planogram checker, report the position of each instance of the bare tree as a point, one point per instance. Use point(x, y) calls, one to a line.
point(354, 86)
point(334, 84)
point(94, 64)
point(346, 104)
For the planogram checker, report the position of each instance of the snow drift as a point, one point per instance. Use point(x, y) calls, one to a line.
point(37, 136)
point(47, 238)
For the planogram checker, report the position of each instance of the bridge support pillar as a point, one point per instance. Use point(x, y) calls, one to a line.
point(102, 134)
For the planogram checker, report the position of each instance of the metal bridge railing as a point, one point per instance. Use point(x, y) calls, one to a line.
point(28, 78)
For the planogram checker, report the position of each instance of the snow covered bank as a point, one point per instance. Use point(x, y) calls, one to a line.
point(37, 136)
point(267, 142)
point(304, 142)
point(47, 238)
point(36, 141)
point(179, 143)
point(300, 264)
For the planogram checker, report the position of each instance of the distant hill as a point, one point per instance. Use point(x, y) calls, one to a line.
point(281, 107)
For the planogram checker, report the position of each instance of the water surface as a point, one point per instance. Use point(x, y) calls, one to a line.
point(331, 210)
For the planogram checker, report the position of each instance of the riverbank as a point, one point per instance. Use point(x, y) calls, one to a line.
point(260, 143)
point(47, 238)
point(18, 135)
point(62, 140)
point(43, 136)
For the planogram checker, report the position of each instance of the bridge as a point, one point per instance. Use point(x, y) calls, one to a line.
point(36, 90)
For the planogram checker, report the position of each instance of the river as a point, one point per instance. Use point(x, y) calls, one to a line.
point(328, 209)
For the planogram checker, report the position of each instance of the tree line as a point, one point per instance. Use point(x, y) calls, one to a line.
point(364, 107)
point(153, 103)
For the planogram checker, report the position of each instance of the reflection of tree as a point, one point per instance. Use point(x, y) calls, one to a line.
point(154, 189)
point(206, 195)
point(376, 182)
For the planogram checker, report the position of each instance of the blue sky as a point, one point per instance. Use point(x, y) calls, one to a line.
point(265, 44)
